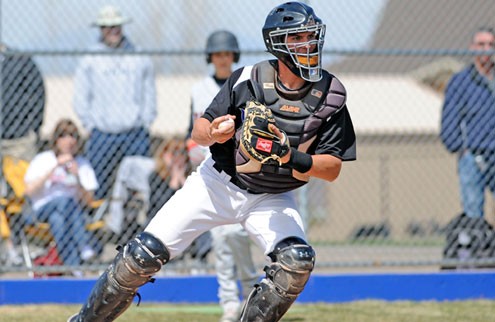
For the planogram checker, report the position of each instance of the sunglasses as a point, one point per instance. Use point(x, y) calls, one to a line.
point(111, 27)
point(71, 134)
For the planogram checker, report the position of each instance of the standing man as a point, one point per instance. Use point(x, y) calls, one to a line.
point(115, 99)
point(468, 124)
point(231, 244)
point(309, 105)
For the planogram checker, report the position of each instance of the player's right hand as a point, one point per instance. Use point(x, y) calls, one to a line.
point(222, 132)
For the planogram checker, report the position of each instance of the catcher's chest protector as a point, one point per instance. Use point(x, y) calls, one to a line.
point(300, 119)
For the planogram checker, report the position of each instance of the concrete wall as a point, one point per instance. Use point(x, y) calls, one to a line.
point(396, 180)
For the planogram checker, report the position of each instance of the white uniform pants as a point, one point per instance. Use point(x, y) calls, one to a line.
point(208, 199)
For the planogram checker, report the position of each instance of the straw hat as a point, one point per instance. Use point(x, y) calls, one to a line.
point(110, 16)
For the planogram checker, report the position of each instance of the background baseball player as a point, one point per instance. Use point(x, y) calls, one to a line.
point(231, 245)
point(309, 105)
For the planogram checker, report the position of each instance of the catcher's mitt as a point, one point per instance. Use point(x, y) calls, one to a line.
point(257, 144)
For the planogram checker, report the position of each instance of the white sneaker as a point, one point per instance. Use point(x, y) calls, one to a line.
point(87, 253)
point(14, 259)
point(231, 313)
point(78, 274)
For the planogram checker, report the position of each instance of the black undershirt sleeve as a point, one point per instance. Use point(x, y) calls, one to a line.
point(336, 137)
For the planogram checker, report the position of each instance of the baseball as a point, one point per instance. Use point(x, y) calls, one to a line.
point(226, 123)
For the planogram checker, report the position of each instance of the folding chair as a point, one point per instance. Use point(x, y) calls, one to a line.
point(14, 204)
point(39, 233)
point(11, 200)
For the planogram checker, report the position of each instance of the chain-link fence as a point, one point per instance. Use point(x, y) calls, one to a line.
point(389, 208)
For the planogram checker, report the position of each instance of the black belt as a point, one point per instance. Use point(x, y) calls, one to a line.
point(235, 180)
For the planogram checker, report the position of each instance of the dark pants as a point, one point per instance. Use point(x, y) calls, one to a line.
point(476, 173)
point(105, 151)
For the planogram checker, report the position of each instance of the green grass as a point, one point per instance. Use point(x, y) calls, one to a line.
point(412, 242)
point(365, 311)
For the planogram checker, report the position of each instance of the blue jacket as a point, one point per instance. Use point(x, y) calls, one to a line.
point(468, 115)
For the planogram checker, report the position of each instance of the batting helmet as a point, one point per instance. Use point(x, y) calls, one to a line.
point(222, 40)
point(292, 18)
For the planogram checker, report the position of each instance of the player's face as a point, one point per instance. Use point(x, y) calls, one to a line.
point(112, 35)
point(483, 41)
point(303, 43)
point(223, 62)
point(223, 59)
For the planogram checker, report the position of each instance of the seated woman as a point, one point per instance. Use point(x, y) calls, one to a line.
point(172, 166)
point(60, 183)
point(149, 182)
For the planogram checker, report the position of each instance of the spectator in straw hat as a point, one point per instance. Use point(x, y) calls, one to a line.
point(115, 98)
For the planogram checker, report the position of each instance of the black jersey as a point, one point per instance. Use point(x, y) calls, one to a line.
point(335, 136)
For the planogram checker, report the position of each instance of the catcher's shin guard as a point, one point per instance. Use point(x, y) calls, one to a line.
point(133, 267)
point(285, 280)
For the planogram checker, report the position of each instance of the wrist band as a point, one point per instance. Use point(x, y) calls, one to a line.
point(300, 161)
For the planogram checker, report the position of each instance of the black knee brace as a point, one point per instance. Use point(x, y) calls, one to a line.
point(293, 260)
point(134, 266)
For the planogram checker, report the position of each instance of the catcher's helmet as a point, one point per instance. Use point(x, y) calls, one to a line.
point(222, 40)
point(292, 18)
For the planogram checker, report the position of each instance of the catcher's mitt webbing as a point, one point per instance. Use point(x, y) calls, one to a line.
point(256, 141)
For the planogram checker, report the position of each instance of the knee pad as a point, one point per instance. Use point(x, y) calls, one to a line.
point(148, 251)
point(141, 258)
point(133, 267)
point(293, 261)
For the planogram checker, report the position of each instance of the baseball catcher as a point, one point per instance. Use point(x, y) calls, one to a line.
point(293, 124)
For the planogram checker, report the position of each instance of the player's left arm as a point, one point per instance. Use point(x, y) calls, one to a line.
point(325, 166)
point(322, 166)
point(336, 143)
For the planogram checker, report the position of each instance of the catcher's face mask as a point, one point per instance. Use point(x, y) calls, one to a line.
point(300, 49)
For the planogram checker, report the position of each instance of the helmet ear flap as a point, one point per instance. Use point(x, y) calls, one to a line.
point(208, 58)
